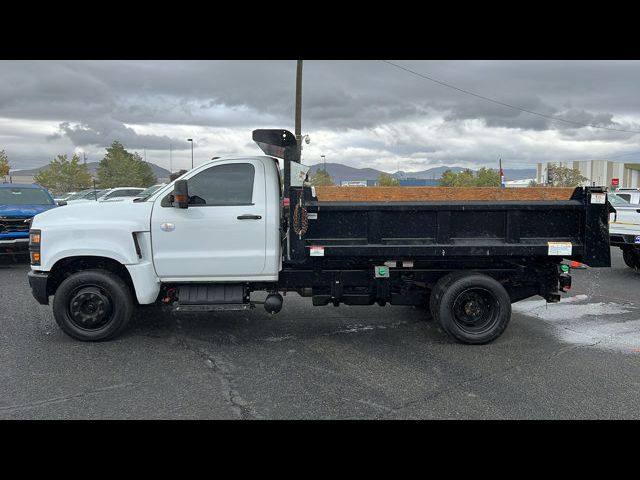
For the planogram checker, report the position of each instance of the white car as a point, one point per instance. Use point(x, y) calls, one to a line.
point(631, 195)
point(89, 195)
point(64, 197)
point(624, 229)
point(151, 190)
point(119, 194)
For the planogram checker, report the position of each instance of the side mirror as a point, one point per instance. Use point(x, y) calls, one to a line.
point(180, 194)
point(62, 203)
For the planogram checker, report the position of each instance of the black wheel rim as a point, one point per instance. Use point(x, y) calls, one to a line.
point(90, 307)
point(476, 310)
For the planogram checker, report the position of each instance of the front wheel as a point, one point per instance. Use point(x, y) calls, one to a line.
point(473, 308)
point(93, 305)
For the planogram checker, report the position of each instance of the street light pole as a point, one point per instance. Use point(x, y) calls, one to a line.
point(191, 140)
point(324, 158)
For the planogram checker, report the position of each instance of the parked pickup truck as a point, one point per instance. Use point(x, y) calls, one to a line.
point(624, 229)
point(230, 227)
point(19, 202)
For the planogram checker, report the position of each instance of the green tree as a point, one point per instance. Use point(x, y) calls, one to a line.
point(4, 164)
point(560, 176)
point(63, 175)
point(485, 177)
point(120, 168)
point(448, 179)
point(386, 180)
point(321, 178)
point(464, 178)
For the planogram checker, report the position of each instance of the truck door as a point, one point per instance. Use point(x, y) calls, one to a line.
point(222, 234)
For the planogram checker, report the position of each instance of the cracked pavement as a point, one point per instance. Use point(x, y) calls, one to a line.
point(579, 359)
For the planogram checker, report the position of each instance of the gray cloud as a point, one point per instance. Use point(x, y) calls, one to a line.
point(105, 131)
point(96, 102)
point(336, 94)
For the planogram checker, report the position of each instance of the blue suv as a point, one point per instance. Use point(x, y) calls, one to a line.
point(19, 203)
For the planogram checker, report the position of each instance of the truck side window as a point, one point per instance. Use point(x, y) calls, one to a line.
point(229, 184)
point(626, 196)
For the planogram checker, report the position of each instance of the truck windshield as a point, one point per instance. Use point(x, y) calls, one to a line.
point(616, 199)
point(24, 196)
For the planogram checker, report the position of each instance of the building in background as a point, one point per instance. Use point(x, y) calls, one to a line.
point(354, 183)
point(598, 172)
point(419, 182)
point(518, 183)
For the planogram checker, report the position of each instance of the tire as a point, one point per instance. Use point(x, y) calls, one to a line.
point(439, 288)
point(93, 305)
point(631, 258)
point(473, 308)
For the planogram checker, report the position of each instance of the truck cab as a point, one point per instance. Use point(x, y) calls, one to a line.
point(227, 230)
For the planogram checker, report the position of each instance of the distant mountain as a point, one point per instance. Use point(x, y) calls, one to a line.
point(519, 173)
point(158, 171)
point(435, 173)
point(341, 172)
point(431, 173)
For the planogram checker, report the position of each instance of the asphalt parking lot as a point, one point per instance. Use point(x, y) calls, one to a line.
point(577, 359)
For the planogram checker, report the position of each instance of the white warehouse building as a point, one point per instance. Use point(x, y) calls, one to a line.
point(598, 172)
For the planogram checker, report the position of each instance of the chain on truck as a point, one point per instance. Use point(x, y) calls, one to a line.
point(234, 226)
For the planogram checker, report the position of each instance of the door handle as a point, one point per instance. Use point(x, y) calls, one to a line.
point(249, 217)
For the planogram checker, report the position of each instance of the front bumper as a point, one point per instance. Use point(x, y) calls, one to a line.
point(38, 283)
point(10, 246)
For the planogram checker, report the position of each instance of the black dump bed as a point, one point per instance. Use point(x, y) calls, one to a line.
point(351, 225)
point(440, 223)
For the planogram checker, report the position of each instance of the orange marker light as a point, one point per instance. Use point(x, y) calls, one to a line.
point(35, 257)
point(35, 238)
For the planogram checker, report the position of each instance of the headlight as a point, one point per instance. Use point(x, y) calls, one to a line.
point(34, 247)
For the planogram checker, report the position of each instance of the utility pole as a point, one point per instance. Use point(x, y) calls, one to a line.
point(298, 126)
point(502, 183)
point(170, 159)
point(84, 158)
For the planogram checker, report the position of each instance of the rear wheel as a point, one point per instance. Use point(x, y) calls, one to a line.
point(473, 308)
point(93, 305)
point(439, 288)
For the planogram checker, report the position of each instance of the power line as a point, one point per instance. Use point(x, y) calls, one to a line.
point(505, 104)
point(624, 154)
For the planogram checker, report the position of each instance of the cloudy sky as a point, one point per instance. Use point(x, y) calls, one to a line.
point(359, 113)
